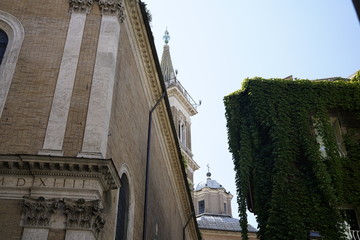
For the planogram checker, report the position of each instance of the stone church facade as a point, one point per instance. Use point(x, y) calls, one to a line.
point(78, 82)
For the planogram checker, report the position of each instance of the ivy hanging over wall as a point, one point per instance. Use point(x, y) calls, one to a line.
point(273, 126)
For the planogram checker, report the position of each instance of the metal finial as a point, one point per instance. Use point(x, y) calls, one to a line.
point(208, 174)
point(166, 37)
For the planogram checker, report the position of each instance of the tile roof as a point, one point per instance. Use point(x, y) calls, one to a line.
point(224, 223)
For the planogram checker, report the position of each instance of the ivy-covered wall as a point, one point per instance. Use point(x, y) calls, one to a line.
point(273, 125)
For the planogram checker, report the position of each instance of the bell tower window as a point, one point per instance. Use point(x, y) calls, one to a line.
point(182, 132)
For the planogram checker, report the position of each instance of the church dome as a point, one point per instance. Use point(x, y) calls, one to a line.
point(208, 183)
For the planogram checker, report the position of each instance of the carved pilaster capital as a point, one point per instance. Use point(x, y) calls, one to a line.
point(112, 7)
point(37, 211)
point(82, 6)
point(81, 214)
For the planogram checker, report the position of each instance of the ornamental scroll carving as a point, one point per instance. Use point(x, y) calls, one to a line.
point(81, 214)
point(38, 211)
point(82, 6)
point(112, 7)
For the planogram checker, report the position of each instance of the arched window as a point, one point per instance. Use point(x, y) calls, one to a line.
point(3, 43)
point(11, 38)
point(123, 209)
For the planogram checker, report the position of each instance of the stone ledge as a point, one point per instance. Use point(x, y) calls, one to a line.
point(50, 174)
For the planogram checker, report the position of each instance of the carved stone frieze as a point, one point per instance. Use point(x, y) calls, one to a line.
point(82, 6)
point(81, 214)
point(58, 172)
point(38, 211)
point(112, 7)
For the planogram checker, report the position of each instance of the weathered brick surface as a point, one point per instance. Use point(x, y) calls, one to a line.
point(128, 144)
point(24, 119)
point(10, 217)
point(128, 129)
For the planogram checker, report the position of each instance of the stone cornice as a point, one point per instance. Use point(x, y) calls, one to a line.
point(151, 71)
point(101, 169)
point(193, 165)
point(80, 6)
point(207, 190)
point(112, 7)
point(190, 161)
point(173, 90)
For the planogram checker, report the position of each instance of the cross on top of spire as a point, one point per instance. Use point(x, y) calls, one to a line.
point(208, 174)
point(166, 37)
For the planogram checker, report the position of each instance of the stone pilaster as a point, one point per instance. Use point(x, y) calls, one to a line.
point(37, 214)
point(82, 6)
point(55, 130)
point(99, 111)
point(112, 7)
point(83, 217)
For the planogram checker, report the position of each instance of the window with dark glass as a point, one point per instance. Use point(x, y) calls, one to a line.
point(224, 207)
point(123, 209)
point(3, 43)
point(201, 206)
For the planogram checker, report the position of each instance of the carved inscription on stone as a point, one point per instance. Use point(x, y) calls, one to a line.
point(81, 214)
point(26, 181)
point(37, 211)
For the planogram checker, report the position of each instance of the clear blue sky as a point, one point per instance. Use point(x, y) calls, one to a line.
point(216, 44)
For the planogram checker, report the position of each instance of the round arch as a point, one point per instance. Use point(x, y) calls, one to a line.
point(126, 188)
point(15, 33)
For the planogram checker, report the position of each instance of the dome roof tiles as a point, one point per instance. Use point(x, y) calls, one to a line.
point(208, 183)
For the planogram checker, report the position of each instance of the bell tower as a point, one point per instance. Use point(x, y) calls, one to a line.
point(182, 107)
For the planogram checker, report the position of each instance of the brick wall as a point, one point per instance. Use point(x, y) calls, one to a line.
point(128, 144)
point(128, 129)
point(24, 120)
point(10, 217)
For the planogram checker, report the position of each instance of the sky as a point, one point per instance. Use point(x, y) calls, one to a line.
point(216, 44)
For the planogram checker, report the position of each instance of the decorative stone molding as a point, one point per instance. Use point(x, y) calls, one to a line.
point(56, 177)
point(174, 90)
point(112, 7)
point(81, 6)
point(84, 215)
point(16, 33)
point(38, 211)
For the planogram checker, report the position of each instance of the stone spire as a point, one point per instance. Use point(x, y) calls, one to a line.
point(166, 64)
